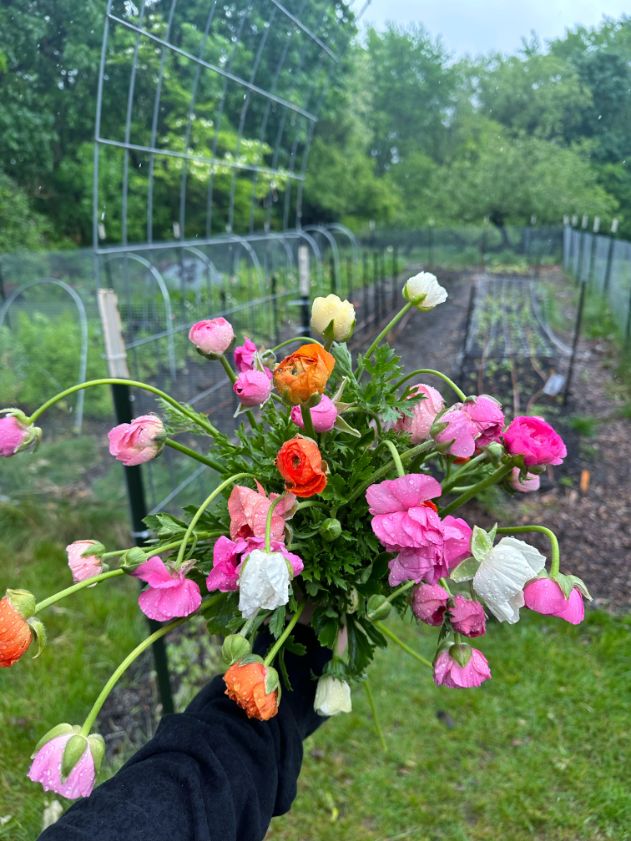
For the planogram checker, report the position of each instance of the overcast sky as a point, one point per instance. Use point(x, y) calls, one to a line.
point(475, 26)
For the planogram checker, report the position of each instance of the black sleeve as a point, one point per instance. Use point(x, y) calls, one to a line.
point(209, 773)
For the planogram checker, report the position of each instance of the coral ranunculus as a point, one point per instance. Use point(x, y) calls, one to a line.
point(137, 442)
point(304, 373)
point(15, 632)
point(251, 686)
point(299, 462)
point(84, 559)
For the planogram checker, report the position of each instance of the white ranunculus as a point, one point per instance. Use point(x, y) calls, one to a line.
point(333, 309)
point(332, 696)
point(263, 582)
point(502, 575)
point(424, 291)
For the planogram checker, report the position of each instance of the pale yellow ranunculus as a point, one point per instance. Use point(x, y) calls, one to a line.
point(333, 309)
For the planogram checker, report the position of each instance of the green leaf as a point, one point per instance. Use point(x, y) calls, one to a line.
point(482, 542)
point(277, 622)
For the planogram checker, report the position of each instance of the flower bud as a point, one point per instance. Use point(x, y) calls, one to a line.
point(332, 696)
point(17, 433)
point(424, 291)
point(333, 315)
point(235, 647)
point(330, 529)
point(378, 608)
point(74, 750)
point(494, 452)
point(211, 337)
point(133, 558)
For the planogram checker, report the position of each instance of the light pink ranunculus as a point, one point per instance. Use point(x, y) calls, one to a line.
point(459, 437)
point(535, 440)
point(137, 442)
point(212, 337)
point(528, 485)
point(543, 595)
point(456, 542)
point(401, 494)
point(13, 435)
point(228, 556)
point(429, 602)
point(467, 617)
point(448, 672)
point(46, 769)
point(253, 387)
point(323, 415)
point(419, 423)
point(83, 563)
point(248, 512)
point(488, 417)
point(244, 355)
point(169, 594)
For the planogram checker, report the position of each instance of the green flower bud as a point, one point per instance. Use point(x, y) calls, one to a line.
point(378, 608)
point(133, 558)
point(235, 647)
point(495, 451)
point(330, 529)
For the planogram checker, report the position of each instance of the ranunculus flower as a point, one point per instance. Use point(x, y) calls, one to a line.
point(460, 668)
point(248, 512)
point(244, 355)
point(524, 486)
point(16, 435)
point(46, 767)
point(253, 388)
point(170, 594)
point(459, 436)
point(456, 542)
point(424, 291)
point(299, 462)
point(502, 574)
point(264, 579)
point(419, 424)
point(304, 373)
point(16, 606)
point(429, 603)
point(137, 442)
point(253, 686)
point(467, 617)
point(229, 554)
point(212, 337)
point(544, 595)
point(333, 309)
point(488, 418)
point(535, 440)
point(84, 559)
point(333, 696)
point(323, 415)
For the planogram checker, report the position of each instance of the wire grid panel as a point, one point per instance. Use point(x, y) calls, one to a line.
point(205, 114)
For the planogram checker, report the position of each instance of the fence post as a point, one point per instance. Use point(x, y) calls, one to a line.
point(303, 285)
point(610, 252)
point(333, 275)
point(592, 254)
point(275, 329)
point(577, 333)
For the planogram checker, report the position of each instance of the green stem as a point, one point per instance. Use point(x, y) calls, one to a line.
point(375, 715)
point(396, 458)
point(191, 526)
point(443, 583)
point(389, 326)
point(181, 448)
point(400, 591)
point(492, 479)
point(308, 503)
point(204, 424)
point(395, 639)
point(408, 455)
point(455, 476)
point(268, 522)
point(434, 373)
point(303, 339)
point(307, 421)
point(228, 369)
point(281, 640)
point(157, 548)
point(554, 543)
point(80, 585)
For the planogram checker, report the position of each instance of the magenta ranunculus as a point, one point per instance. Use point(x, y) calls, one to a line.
point(543, 595)
point(137, 442)
point(535, 440)
point(448, 671)
point(13, 435)
point(84, 559)
point(253, 388)
point(467, 617)
point(169, 594)
point(459, 437)
point(456, 542)
point(488, 417)
point(212, 337)
point(244, 355)
point(419, 423)
point(46, 769)
point(228, 556)
point(429, 602)
point(323, 415)
point(530, 483)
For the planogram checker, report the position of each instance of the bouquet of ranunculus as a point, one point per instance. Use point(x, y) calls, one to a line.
point(337, 495)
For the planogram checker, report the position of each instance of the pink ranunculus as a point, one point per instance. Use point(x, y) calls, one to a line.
point(467, 617)
point(416, 564)
point(429, 602)
point(488, 417)
point(84, 563)
point(244, 355)
point(228, 556)
point(535, 440)
point(449, 672)
point(46, 769)
point(169, 594)
point(574, 612)
point(459, 437)
point(13, 435)
point(401, 494)
point(456, 542)
point(137, 442)
point(524, 486)
point(543, 595)
point(248, 512)
point(323, 415)
point(253, 388)
point(212, 337)
point(419, 423)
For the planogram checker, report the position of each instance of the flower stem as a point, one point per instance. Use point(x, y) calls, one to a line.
point(268, 522)
point(281, 640)
point(554, 543)
point(400, 591)
point(375, 715)
point(434, 373)
point(228, 369)
point(455, 476)
point(307, 420)
point(492, 479)
point(396, 458)
point(375, 343)
point(175, 445)
point(395, 639)
point(303, 339)
point(80, 585)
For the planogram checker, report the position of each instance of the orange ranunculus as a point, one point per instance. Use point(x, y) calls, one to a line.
point(303, 373)
point(299, 462)
point(246, 685)
point(15, 632)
